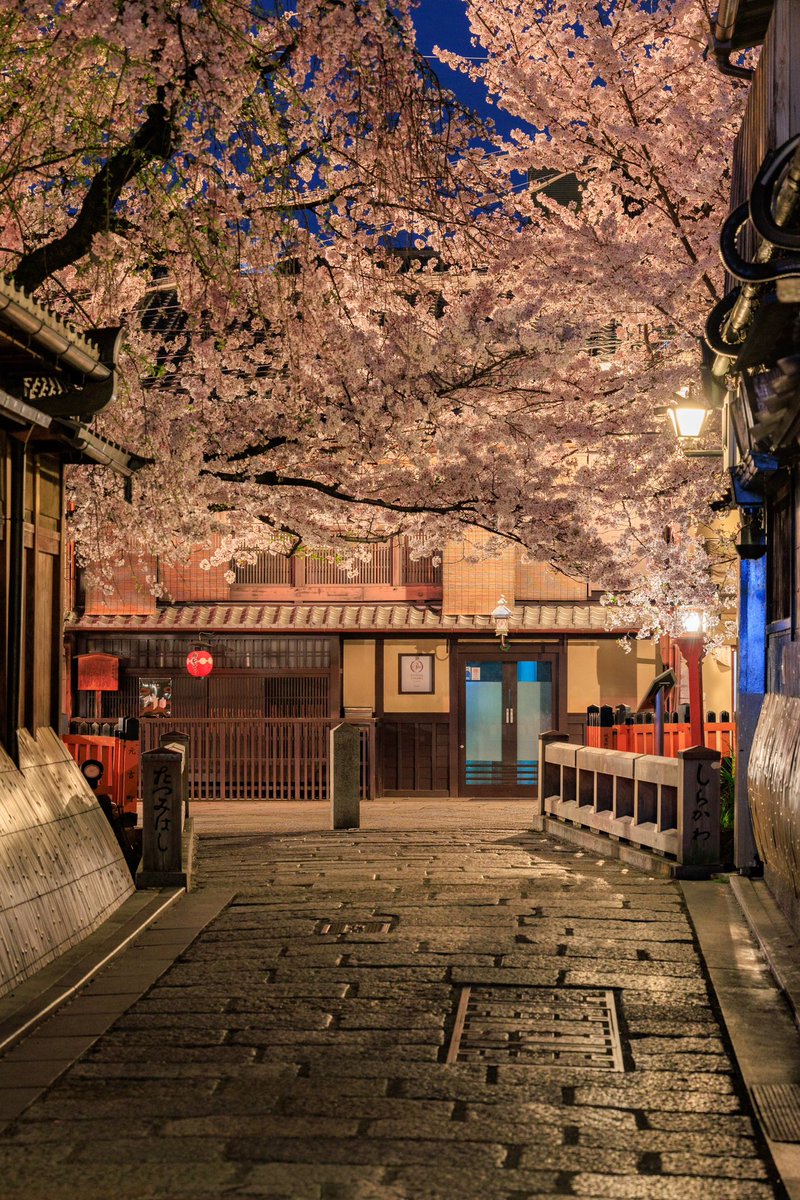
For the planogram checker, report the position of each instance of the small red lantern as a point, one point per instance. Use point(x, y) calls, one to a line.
point(199, 663)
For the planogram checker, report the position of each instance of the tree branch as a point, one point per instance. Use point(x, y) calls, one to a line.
point(273, 479)
point(153, 140)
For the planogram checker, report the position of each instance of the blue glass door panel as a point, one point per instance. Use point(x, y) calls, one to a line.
point(506, 706)
point(533, 717)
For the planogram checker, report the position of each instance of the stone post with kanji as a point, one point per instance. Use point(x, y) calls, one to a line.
point(162, 819)
point(173, 739)
point(698, 807)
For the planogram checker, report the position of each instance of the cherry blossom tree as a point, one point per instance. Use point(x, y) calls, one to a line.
point(345, 317)
point(617, 96)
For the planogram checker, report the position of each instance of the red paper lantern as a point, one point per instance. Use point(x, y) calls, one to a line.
point(199, 663)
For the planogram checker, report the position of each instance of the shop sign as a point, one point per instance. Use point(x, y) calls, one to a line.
point(98, 673)
point(416, 673)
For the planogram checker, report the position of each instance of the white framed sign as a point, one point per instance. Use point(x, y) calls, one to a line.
point(416, 673)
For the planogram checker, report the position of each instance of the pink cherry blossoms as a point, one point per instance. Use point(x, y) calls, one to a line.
point(358, 320)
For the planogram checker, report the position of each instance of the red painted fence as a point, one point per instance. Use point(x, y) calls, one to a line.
point(641, 739)
point(120, 761)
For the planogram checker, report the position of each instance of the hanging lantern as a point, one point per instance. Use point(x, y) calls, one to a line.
point(199, 663)
point(499, 617)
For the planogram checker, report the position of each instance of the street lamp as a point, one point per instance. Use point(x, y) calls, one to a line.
point(691, 644)
point(499, 617)
point(688, 415)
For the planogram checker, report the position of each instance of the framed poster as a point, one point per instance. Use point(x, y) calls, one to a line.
point(155, 697)
point(416, 673)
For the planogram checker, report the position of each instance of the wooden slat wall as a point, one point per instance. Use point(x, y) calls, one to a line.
point(167, 652)
point(221, 695)
point(420, 570)
point(130, 590)
point(40, 696)
point(190, 582)
point(414, 755)
point(773, 787)
point(784, 41)
point(378, 570)
point(267, 569)
point(251, 759)
point(773, 106)
point(538, 581)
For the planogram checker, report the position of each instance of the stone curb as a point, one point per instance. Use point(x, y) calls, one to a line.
point(46, 1042)
point(39, 997)
point(778, 941)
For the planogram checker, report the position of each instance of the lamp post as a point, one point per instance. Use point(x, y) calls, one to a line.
point(499, 617)
point(691, 645)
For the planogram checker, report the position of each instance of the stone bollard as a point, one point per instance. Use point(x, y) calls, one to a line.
point(344, 776)
point(162, 820)
point(548, 779)
point(698, 807)
point(173, 739)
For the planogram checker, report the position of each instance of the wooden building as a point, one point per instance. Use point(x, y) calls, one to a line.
point(62, 869)
point(406, 648)
point(52, 379)
point(754, 336)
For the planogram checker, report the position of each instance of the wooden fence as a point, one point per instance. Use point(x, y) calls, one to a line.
point(120, 761)
point(261, 759)
point(641, 739)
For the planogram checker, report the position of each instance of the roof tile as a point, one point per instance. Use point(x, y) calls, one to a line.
point(366, 617)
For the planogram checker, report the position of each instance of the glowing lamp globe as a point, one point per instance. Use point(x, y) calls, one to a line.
point(199, 663)
point(688, 414)
point(693, 622)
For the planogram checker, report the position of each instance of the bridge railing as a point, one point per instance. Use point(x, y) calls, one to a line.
point(654, 802)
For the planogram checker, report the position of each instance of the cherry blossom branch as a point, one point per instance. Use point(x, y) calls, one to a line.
point(153, 140)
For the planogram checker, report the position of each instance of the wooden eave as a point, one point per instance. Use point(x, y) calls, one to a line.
point(50, 365)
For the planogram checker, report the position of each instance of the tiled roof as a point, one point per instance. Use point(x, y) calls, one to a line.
point(373, 618)
point(43, 326)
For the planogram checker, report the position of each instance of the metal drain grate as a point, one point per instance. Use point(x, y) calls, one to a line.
point(574, 1027)
point(332, 928)
point(778, 1108)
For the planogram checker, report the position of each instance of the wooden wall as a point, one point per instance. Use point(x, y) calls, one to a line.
point(773, 106)
point(61, 869)
point(43, 595)
point(414, 755)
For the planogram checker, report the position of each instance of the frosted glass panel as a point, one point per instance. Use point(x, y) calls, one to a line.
point(534, 717)
point(484, 717)
point(508, 704)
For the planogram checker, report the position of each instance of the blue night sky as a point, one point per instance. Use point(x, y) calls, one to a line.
point(444, 23)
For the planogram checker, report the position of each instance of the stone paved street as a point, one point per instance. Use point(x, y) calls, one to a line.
point(274, 1059)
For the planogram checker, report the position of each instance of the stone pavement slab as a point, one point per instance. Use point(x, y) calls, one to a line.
point(95, 1002)
point(272, 1059)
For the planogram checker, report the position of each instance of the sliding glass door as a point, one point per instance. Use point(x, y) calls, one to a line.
point(506, 702)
